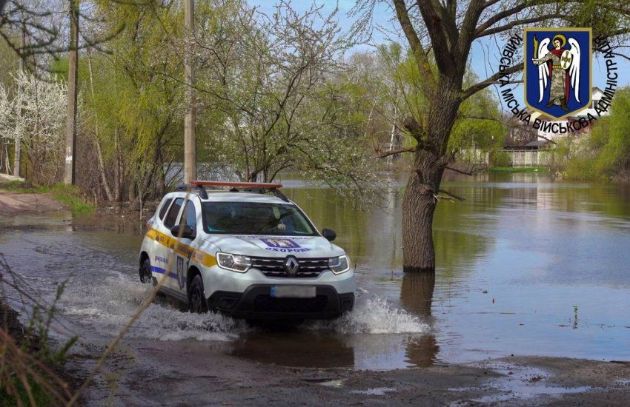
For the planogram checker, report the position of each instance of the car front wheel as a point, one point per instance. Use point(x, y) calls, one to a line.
point(145, 271)
point(196, 296)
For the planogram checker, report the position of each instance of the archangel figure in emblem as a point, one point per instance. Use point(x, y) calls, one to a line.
point(562, 65)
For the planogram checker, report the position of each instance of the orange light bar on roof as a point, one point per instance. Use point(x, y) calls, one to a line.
point(250, 185)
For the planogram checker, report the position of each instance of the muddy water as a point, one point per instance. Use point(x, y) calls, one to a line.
point(525, 267)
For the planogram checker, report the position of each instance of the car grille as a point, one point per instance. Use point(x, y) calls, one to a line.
point(274, 267)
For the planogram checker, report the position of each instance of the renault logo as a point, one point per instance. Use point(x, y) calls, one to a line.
point(291, 265)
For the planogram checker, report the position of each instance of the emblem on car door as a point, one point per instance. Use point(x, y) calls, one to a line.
point(291, 266)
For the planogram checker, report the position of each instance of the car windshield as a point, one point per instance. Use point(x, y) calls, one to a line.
point(255, 218)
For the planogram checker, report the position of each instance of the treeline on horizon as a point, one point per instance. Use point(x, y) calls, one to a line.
point(281, 92)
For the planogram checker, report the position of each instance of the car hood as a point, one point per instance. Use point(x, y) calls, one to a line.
point(271, 246)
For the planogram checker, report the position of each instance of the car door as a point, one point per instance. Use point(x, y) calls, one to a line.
point(159, 251)
point(167, 244)
point(185, 250)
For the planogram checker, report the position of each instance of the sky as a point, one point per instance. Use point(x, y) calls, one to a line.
point(484, 53)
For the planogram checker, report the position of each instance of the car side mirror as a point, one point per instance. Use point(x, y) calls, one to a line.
point(187, 232)
point(329, 234)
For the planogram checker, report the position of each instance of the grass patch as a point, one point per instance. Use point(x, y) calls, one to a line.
point(69, 195)
point(518, 169)
point(15, 186)
point(28, 361)
point(25, 391)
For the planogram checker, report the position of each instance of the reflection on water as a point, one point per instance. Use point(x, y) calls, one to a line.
point(298, 348)
point(516, 261)
point(416, 296)
point(416, 293)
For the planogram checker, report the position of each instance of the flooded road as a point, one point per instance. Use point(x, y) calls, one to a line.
point(525, 267)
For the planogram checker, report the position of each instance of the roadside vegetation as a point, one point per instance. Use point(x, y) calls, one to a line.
point(29, 362)
point(263, 105)
point(605, 154)
point(69, 195)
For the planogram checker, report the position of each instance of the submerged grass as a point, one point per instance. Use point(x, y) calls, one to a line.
point(68, 195)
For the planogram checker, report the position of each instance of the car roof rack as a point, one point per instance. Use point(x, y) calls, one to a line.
point(200, 186)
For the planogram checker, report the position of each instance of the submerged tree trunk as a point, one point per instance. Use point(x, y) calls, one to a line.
point(431, 158)
point(418, 206)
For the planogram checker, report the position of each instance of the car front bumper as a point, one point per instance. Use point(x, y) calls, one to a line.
point(258, 303)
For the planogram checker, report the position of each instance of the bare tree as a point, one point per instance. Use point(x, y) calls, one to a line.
point(268, 77)
point(33, 29)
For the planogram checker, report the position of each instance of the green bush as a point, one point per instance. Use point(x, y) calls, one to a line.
point(605, 154)
point(582, 169)
point(500, 159)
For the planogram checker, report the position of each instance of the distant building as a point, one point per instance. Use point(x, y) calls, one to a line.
point(519, 134)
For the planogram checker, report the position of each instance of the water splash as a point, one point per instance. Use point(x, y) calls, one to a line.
point(108, 306)
point(374, 315)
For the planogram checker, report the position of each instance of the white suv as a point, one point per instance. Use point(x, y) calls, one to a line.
point(247, 251)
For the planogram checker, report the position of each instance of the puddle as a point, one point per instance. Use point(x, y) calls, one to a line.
point(337, 384)
point(520, 383)
point(374, 391)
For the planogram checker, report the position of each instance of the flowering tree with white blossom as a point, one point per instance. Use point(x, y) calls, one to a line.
point(33, 116)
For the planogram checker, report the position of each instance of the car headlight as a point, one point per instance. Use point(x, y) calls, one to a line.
point(339, 264)
point(234, 262)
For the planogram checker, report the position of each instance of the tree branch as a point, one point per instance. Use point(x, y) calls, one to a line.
point(474, 117)
point(490, 3)
point(502, 15)
point(515, 23)
point(383, 154)
point(621, 55)
point(547, 139)
point(466, 93)
point(436, 27)
point(475, 8)
point(452, 196)
point(416, 46)
point(459, 171)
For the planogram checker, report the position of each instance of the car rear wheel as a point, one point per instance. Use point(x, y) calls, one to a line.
point(196, 296)
point(145, 271)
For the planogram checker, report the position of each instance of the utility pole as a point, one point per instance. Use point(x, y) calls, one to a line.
point(190, 148)
point(18, 139)
point(71, 122)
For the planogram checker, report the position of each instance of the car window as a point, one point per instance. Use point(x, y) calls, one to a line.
point(164, 208)
point(171, 216)
point(189, 217)
point(254, 218)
